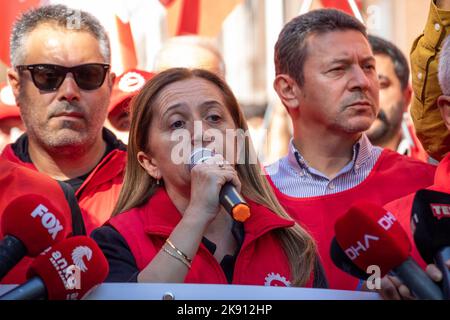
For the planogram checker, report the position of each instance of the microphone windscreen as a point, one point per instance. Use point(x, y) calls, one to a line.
point(344, 263)
point(71, 268)
point(199, 155)
point(369, 235)
point(430, 220)
point(35, 222)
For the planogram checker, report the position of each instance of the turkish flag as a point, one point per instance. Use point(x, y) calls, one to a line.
point(201, 17)
point(341, 5)
point(11, 9)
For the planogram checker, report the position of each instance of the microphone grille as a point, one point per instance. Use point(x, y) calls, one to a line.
point(199, 155)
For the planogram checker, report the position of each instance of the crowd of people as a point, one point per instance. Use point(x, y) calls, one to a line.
point(103, 147)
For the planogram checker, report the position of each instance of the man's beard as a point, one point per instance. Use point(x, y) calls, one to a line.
point(388, 128)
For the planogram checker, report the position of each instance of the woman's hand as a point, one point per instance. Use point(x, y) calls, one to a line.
point(207, 180)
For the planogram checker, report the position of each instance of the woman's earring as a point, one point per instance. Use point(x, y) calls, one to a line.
point(158, 182)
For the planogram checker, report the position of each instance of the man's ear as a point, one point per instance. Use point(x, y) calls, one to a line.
point(111, 79)
point(288, 90)
point(444, 105)
point(14, 81)
point(149, 166)
point(407, 96)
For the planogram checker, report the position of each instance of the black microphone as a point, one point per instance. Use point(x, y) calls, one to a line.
point(430, 220)
point(344, 263)
point(229, 198)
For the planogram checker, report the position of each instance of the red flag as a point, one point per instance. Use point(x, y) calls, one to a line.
point(10, 11)
point(201, 17)
point(341, 5)
point(127, 49)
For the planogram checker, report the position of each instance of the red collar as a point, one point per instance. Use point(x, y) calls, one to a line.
point(160, 216)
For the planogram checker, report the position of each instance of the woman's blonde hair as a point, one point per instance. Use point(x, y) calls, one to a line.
point(138, 186)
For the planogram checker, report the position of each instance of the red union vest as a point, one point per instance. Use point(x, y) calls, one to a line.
point(392, 177)
point(16, 181)
point(98, 195)
point(261, 260)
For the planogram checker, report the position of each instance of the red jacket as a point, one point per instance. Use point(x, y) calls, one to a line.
point(261, 260)
point(99, 192)
point(402, 207)
point(16, 181)
point(393, 176)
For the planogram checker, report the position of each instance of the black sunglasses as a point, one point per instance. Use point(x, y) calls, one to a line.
point(49, 77)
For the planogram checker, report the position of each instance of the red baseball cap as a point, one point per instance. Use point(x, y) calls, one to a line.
point(126, 86)
point(8, 107)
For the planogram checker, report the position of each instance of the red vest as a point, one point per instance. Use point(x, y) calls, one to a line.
point(261, 260)
point(98, 194)
point(16, 181)
point(402, 207)
point(392, 177)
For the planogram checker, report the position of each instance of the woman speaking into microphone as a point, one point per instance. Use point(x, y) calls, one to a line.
point(169, 224)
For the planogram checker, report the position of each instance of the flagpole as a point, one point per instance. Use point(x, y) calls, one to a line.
point(306, 5)
point(355, 10)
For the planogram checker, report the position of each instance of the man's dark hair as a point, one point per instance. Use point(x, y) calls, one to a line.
point(291, 48)
point(401, 67)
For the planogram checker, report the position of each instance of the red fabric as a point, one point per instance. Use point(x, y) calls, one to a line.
point(24, 218)
point(190, 18)
point(402, 207)
point(358, 227)
point(16, 181)
point(261, 260)
point(127, 49)
point(392, 177)
point(99, 192)
point(52, 266)
point(10, 11)
point(417, 150)
point(341, 5)
point(126, 86)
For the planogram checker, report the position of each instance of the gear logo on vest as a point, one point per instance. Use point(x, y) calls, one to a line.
point(276, 280)
point(78, 254)
point(131, 82)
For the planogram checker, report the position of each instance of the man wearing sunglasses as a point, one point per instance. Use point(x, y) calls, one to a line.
point(62, 83)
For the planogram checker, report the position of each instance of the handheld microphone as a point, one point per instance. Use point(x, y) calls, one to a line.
point(430, 220)
point(371, 236)
point(30, 224)
point(67, 271)
point(229, 198)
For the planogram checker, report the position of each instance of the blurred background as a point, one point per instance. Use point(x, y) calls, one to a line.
point(244, 32)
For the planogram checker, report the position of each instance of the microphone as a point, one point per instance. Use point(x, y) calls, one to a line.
point(229, 198)
point(371, 236)
point(30, 224)
point(67, 271)
point(344, 263)
point(430, 220)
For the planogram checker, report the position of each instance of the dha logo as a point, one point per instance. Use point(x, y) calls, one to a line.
point(440, 210)
point(48, 220)
point(354, 251)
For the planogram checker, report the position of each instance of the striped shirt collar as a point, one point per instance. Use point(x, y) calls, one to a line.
point(362, 151)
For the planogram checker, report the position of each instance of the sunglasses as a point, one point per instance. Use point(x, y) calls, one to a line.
point(49, 77)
